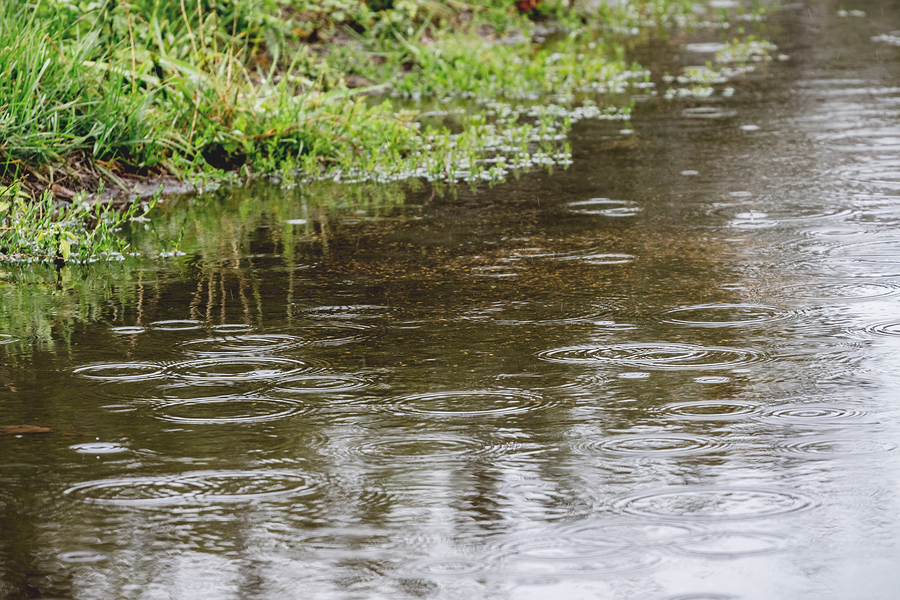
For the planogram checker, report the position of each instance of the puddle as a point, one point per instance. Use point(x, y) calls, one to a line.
point(667, 371)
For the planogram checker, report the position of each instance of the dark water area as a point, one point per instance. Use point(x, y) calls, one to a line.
point(668, 372)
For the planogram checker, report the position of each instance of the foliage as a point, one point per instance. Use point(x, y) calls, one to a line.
point(52, 104)
point(207, 87)
point(472, 67)
point(77, 231)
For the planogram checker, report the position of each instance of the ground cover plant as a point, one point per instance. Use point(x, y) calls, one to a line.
point(97, 96)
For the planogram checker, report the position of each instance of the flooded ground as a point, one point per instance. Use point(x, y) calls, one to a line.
point(668, 372)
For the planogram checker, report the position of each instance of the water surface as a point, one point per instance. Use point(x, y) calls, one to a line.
point(668, 372)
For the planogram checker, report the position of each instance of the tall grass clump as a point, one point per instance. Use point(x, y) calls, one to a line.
point(98, 93)
point(52, 105)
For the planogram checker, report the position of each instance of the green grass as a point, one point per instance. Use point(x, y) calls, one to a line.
point(94, 92)
point(78, 231)
point(51, 104)
point(195, 85)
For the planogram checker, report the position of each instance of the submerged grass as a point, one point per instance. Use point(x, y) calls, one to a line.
point(97, 94)
point(77, 231)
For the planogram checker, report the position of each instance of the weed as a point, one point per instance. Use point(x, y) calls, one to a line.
point(95, 91)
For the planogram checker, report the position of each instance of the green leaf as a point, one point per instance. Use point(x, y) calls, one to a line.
point(65, 249)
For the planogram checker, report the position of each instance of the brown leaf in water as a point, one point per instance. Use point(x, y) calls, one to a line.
point(21, 429)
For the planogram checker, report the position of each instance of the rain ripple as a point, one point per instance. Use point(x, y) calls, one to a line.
point(133, 371)
point(585, 549)
point(423, 448)
point(349, 312)
point(227, 410)
point(712, 379)
point(734, 544)
point(707, 503)
point(547, 381)
point(841, 290)
point(701, 596)
point(82, 557)
point(890, 328)
point(592, 257)
point(838, 447)
point(660, 444)
point(642, 535)
point(604, 207)
point(712, 410)
point(99, 448)
point(317, 383)
point(532, 313)
point(239, 369)
point(176, 325)
point(128, 330)
point(655, 356)
point(231, 328)
point(470, 403)
point(557, 556)
point(724, 315)
point(446, 567)
point(878, 258)
point(345, 324)
point(242, 344)
point(752, 220)
point(811, 413)
point(707, 112)
point(195, 488)
point(336, 333)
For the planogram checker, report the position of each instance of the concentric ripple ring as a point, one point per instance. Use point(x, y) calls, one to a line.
point(233, 409)
point(242, 344)
point(723, 315)
point(176, 325)
point(655, 356)
point(256, 368)
point(470, 403)
point(134, 371)
point(199, 487)
point(712, 503)
point(661, 444)
point(712, 410)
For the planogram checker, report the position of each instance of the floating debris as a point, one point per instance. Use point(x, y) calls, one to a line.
point(22, 429)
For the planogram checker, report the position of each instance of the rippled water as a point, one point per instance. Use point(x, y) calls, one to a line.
point(667, 373)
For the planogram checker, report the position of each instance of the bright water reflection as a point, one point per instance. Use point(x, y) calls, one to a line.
point(534, 392)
